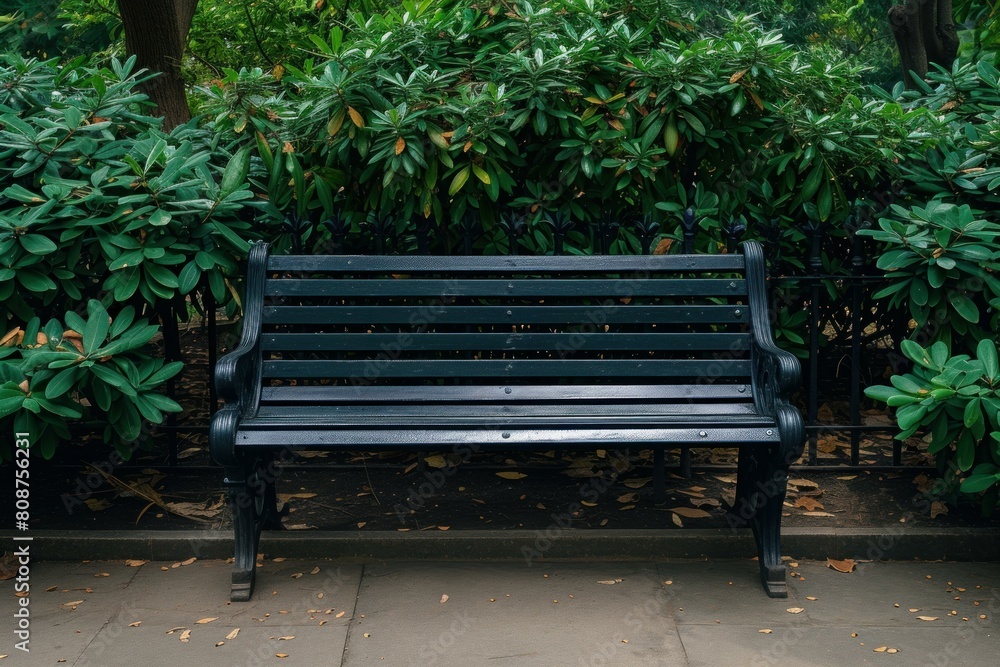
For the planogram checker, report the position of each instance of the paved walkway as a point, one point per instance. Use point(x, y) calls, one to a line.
point(317, 612)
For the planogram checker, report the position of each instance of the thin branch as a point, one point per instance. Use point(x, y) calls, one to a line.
point(253, 30)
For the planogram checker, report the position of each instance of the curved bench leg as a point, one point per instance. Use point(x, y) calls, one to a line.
point(760, 493)
point(253, 500)
point(246, 533)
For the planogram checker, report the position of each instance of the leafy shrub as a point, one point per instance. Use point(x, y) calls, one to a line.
point(99, 204)
point(561, 111)
point(956, 399)
point(89, 368)
point(940, 260)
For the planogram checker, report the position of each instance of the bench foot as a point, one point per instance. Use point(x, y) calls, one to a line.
point(760, 494)
point(253, 501)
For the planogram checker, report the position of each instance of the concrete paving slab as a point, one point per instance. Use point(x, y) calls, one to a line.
point(118, 645)
point(807, 645)
point(722, 592)
point(869, 595)
point(531, 620)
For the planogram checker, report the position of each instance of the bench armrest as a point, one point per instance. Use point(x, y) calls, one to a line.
point(775, 373)
point(238, 374)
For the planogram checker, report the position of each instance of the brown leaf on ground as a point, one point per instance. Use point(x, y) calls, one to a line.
point(690, 512)
point(232, 635)
point(134, 562)
point(628, 498)
point(846, 566)
point(803, 483)
point(637, 482)
point(805, 502)
point(795, 610)
point(285, 497)
point(927, 618)
point(97, 504)
point(938, 508)
point(509, 474)
point(203, 621)
point(193, 510)
point(436, 461)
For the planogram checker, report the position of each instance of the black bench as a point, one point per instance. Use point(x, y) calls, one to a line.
point(369, 353)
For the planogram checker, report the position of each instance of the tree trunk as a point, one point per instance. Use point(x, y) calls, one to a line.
point(155, 33)
point(925, 34)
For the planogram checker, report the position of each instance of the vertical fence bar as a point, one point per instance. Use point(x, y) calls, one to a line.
point(815, 230)
point(208, 301)
point(171, 352)
point(857, 262)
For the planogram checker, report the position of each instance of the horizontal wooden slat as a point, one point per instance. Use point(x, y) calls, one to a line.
point(476, 394)
point(513, 288)
point(382, 416)
point(503, 439)
point(502, 315)
point(399, 342)
point(451, 368)
point(637, 264)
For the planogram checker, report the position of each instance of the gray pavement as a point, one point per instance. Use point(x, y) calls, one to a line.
point(678, 612)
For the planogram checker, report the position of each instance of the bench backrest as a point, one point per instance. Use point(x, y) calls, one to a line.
point(345, 328)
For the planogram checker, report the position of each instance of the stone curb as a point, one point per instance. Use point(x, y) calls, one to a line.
point(887, 543)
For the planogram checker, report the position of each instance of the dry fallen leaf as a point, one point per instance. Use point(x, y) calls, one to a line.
point(938, 508)
point(812, 597)
point(436, 461)
point(845, 566)
point(232, 635)
point(132, 562)
point(765, 631)
point(185, 636)
point(74, 603)
point(677, 520)
point(803, 483)
point(207, 620)
point(927, 618)
point(340, 615)
point(188, 561)
point(638, 482)
point(881, 649)
point(297, 575)
point(280, 655)
point(102, 574)
point(691, 513)
point(795, 610)
point(97, 504)
point(444, 598)
point(816, 514)
point(508, 474)
point(135, 625)
point(805, 502)
point(315, 570)
point(286, 638)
